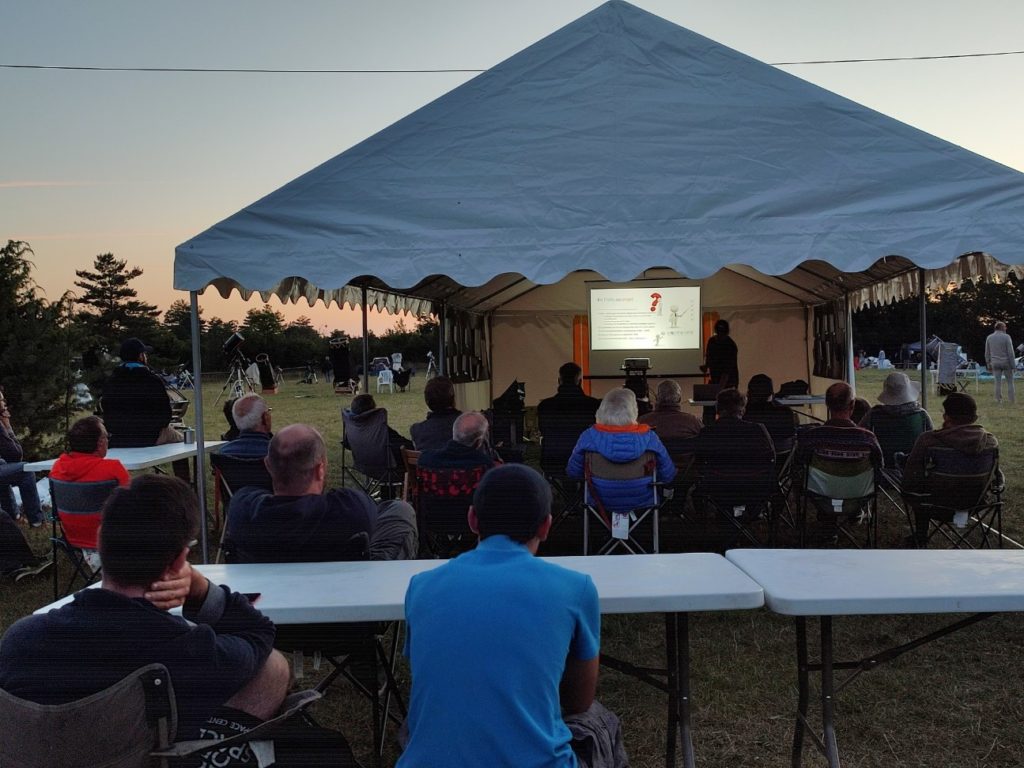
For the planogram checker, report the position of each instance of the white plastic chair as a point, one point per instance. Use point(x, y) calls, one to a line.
point(396, 361)
point(386, 378)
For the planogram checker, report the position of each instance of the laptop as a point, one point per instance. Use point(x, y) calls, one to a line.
point(706, 391)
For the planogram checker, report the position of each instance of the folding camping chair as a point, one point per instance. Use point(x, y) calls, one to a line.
point(374, 467)
point(622, 525)
point(75, 521)
point(839, 483)
point(963, 494)
point(230, 473)
point(132, 724)
point(739, 494)
point(559, 434)
point(443, 497)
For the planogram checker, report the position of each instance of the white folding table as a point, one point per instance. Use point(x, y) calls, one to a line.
point(673, 584)
point(143, 458)
point(841, 582)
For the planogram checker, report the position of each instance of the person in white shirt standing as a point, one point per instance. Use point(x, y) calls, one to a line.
point(1000, 360)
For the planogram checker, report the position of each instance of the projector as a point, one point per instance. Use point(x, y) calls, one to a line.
point(636, 364)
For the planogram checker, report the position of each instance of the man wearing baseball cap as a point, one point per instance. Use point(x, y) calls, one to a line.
point(503, 644)
point(136, 408)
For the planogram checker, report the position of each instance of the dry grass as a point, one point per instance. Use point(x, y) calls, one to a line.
point(954, 702)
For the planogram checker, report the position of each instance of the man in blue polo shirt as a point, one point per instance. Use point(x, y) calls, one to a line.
point(488, 636)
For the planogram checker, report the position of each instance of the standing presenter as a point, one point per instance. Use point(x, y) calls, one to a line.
point(720, 358)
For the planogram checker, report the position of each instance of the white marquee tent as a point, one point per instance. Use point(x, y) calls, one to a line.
point(622, 146)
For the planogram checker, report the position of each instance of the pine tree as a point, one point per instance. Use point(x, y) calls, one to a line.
point(36, 343)
point(115, 312)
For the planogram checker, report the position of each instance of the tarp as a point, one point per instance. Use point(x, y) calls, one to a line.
point(618, 143)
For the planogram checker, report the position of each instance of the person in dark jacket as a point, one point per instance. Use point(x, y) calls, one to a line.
point(251, 415)
point(12, 472)
point(218, 653)
point(720, 357)
point(563, 417)
point(618, 438)
point(730, 439)
point(300, 522)
point(780, 421)
point(467, 448)
point(136, 408)
point(434, 432)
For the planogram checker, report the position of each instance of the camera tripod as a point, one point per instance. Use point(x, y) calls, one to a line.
point(238, 382)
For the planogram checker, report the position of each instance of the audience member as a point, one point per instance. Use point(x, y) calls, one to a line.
point(361, 408)
point(434, 432)
point(524, 635)
point(299, 522)
point(730, 439)
point(860, 410)
point(839, 431)
point(85, 461)
point(252, 416)
point(136, 408)
point(899, 398)
point(960, 432)
point(467, 449)
point(218, 653)
point(1000, 360)
point(620, 439)
point(668, 417)
point(780, 421)
point(570, 400)
point(12, 473)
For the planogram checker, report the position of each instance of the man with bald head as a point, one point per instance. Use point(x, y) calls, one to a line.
point(300, 522)
point(467, 449)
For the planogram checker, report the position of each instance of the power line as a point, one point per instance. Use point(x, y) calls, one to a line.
point(234, 70)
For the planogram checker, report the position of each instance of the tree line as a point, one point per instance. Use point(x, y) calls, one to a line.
point(49, 347)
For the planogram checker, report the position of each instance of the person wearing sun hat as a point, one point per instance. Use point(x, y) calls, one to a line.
point(899, 398)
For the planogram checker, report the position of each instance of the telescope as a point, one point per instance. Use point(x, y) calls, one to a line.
point(233, 343)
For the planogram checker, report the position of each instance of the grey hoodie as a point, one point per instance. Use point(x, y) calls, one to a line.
point(971, 439)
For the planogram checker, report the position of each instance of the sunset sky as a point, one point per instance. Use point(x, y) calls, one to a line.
point(134, 163)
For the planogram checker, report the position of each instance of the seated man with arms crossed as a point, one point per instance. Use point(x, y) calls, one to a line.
point(299, 522)
point(222, 655)
point(488, 637)
point(251, 415)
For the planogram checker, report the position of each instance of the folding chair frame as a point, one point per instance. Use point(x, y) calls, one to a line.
point(94, 493)
point(594, 507)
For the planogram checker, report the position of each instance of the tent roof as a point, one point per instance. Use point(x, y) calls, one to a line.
point(619, 143)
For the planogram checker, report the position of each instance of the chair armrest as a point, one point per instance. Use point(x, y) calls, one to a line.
point(294, 704)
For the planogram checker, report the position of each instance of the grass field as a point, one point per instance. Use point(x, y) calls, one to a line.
point(955, 702)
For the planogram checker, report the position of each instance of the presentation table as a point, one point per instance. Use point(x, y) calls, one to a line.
point(672, 584)
point(143, 458)
point(840, 582)
point(790, 402)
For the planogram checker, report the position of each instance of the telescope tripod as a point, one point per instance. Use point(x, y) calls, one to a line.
point(238, 382)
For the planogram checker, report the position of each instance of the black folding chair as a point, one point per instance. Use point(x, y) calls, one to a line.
point(559, 434)
point(443, 496)
point(738, 493)
point(374, 468)
point(75, 521)
point(355, 651)
point(232, 473)
point(963, 495)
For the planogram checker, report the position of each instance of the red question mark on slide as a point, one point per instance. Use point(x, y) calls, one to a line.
point(657, 298)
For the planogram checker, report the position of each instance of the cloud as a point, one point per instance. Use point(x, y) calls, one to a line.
point(29, 184)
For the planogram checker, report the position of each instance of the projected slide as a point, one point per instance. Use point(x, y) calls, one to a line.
point(645, 318)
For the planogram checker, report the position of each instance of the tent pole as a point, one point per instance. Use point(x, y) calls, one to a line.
point(366, 348)
point(197, 391)
point(851, 372)
point(442, 319)
point(922, 311)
